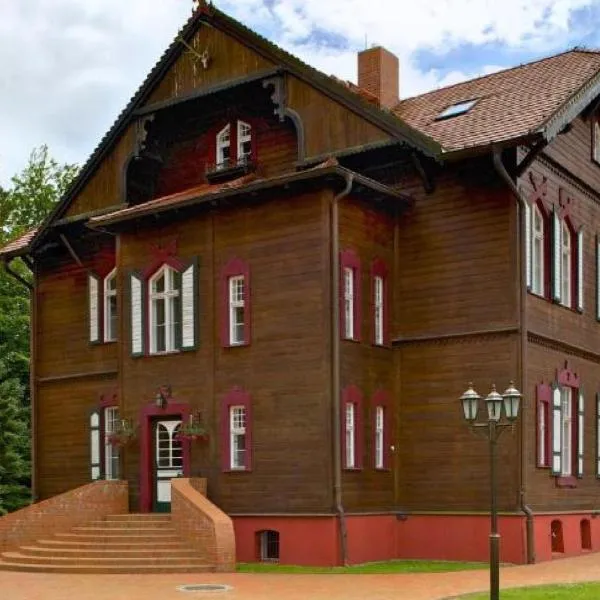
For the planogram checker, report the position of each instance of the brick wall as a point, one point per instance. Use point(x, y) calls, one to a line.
point(206, 527)
point(63, 512)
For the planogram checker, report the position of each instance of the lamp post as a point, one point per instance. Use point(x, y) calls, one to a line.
point(492, 428)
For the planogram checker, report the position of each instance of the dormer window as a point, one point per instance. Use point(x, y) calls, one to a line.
point(224, 147)
point(234, 152)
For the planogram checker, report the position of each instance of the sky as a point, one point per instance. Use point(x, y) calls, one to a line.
point(68, 67)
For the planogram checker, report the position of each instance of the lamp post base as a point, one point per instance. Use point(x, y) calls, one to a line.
point(494, 566)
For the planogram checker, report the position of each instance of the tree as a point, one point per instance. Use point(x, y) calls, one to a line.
point(25, 204)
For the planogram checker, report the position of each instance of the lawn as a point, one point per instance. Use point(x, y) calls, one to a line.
point(392, 566)
point(568, 591)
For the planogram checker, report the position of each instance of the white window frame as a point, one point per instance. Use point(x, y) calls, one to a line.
point(244, 135)
point(378, 308)
point(566, 399)
point(349, 285)
point(542, 434)
point(223, 141)
point(172, 320)
point(109, 335)
point(111, 453)
point(350, 431)
point(238, 416)
point(537, 251)
point(379, 437)
point(237, 335)
point(596, 138)
point(566, 258)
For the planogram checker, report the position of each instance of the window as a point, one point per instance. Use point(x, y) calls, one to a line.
point(596, 138)
point(235, 304)
point(379, 300)
point(224, 147)
point(350, 296)
point(379, 436)
point(565, 267)
point(110, 307)
point(268, 545)
point(236, 431)
point(244, 141)
point(350, 459)
point(236, 310)
point(378, 309)
point(351, 424)
point(544, 400)
point(111, 453)
point(348, 303)
point(538, 247)
point(567, 431)
point(165, 310)
point(459, 108)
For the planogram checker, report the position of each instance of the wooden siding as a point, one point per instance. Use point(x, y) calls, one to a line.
point(188, 159)
point(328, 126)
point(369, 233)
point(285, 369)
point(105, 187)
point(573, 151)
point(229, 59)
point(544, 360)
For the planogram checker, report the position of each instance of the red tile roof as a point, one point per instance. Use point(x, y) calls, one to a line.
point(18, 245)
point(510, 104)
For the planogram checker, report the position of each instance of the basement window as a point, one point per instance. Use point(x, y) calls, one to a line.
point(460, 108)
point(268, 545)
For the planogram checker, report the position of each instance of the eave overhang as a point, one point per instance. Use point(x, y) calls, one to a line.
point(334, 175)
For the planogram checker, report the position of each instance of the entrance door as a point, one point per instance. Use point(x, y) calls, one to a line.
point(168, 461)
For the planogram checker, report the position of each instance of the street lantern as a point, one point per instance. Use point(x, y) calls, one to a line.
point(494, 405)
point(470, 402)
point(512, 398)
point(491, 429)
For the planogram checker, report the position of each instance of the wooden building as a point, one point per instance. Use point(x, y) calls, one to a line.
point(283, 282)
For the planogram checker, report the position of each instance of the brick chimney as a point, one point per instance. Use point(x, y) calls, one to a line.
point(378, 73)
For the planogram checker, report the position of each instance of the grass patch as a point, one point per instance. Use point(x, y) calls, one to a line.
point(391, 566)
point(567, 591)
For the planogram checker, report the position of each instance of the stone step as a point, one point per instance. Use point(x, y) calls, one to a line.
point(127, 543)
point(104, 536)
point(135, 524)
point(140, 517)
point(182, 567)
point(27, 559)
point(109, 552)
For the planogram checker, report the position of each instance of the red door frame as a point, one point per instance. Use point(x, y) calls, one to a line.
point(148, 412)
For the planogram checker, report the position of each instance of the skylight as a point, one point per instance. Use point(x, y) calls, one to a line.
point(460, 108)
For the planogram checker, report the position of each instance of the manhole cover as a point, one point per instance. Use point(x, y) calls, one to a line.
point(204, 587)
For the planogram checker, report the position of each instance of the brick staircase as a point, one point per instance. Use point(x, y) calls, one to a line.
point(131, 543)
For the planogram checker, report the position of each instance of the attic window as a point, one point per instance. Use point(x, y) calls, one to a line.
point(460, 108)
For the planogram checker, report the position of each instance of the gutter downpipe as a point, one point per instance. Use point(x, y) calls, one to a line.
point(525, 508)
point(336, 372)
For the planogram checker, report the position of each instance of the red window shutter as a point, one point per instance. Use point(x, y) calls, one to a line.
point(543, 435)
point(349, 259)
point(352, 395)
point(235, 267)
point(380, 269)
point(383, 399)
point(236, 397)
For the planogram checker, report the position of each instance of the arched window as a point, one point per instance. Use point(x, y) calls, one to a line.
point(165, 310)
point(224, 147)
point(538, 252)
point(566, 264)
point(110, 306)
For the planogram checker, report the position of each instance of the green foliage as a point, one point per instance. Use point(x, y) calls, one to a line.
point(14, 445)
point(569, 591)
point(25, 204)
point(390, 566)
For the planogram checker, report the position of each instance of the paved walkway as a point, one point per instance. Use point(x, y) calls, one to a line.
point(434, 586)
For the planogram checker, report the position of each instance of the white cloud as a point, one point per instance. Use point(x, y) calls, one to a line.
point(68, 67)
